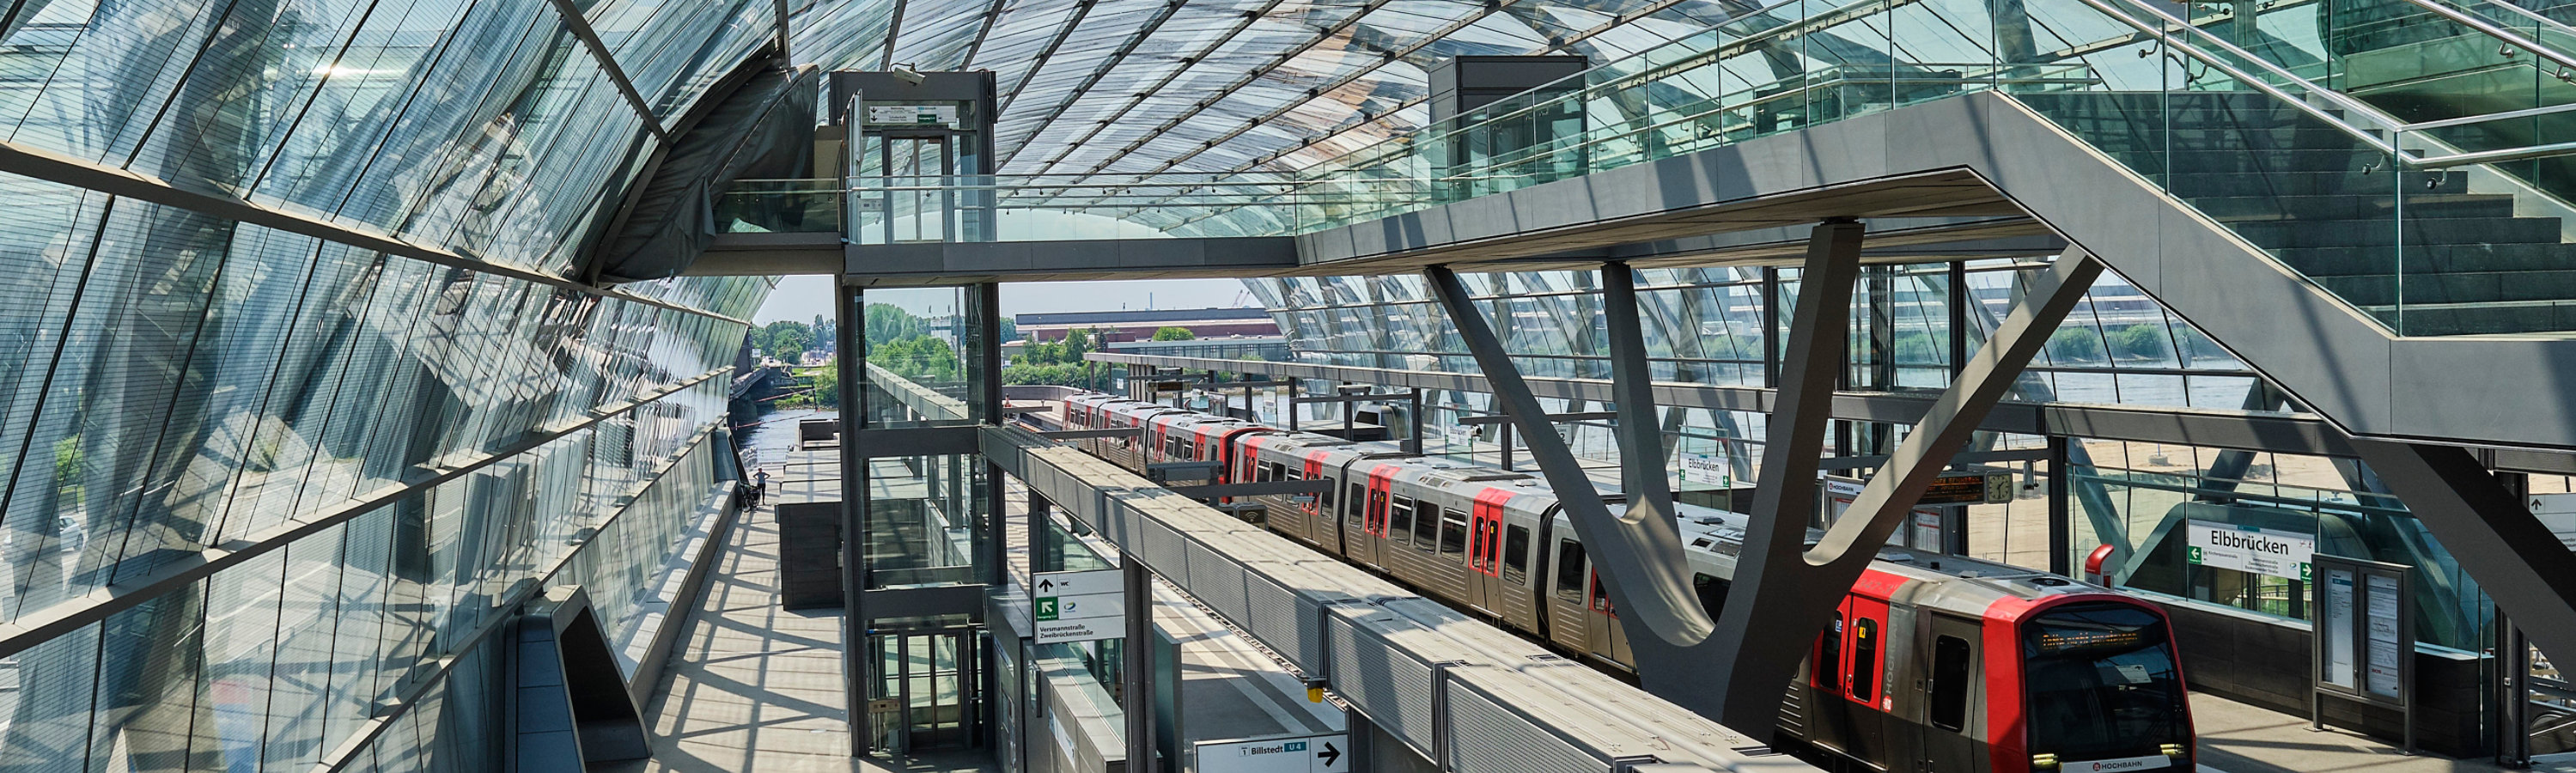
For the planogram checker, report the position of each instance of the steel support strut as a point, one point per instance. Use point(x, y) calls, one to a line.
point(2513, 556)
point(1786, 602)
point(1640, 560)
point(1640, 434)
point(1766, 584)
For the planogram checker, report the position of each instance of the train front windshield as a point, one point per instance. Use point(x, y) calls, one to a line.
point(2103, 688)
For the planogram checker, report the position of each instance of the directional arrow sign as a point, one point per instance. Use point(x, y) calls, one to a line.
point(1078, 606)
point(1285, 754)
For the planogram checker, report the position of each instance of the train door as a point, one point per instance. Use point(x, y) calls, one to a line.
point(1864, 680)
point(1609, 641)
point(1372, 540)
point(1485, 551)
point(1569, 614)
point(1323, 524)
point(1353, 537)
point(1947, 659)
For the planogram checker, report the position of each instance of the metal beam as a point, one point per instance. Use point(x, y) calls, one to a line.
point(1884, 501)
point(1639, 558)
point(1746, 690)
point(1253, 489)
point(2530, 574)
point(580, 26)
point(2284, 433)
point(58, 168)
point(38, 626)
point(1640, 435)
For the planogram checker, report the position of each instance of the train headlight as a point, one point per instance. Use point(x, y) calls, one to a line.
point(2043, 762)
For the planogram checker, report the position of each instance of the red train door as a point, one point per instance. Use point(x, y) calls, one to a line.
point(1485, 550)
point(1370, 544)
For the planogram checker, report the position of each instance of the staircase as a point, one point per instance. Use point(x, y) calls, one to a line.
point(2327, 206)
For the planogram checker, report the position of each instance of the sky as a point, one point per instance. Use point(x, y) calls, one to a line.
point(801, 298)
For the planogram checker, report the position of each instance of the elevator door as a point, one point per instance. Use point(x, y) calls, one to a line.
point(934, 682)
point(922, 169)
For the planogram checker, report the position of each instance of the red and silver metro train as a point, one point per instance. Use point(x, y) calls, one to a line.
point(1932, 663)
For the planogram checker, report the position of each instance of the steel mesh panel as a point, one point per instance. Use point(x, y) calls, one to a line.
point(1484, 737)
point(1217, 581)
point(1392, 688)
point(1270, 612)
point(1157, 545)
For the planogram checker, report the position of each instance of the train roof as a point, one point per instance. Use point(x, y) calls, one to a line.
point(1721, 533)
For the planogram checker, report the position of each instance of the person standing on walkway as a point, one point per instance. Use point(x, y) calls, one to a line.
point(762, 476)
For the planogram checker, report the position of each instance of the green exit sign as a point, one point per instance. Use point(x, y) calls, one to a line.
point(1046, 608)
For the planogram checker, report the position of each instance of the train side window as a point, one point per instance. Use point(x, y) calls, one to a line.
point(1358, 503)
point(1453, 534)
point(1864, 668)
point(1261, 472)
point(1515, 554)
point(1569, 571)
point(1399, 520)
point(1949, 682)
point(1280, 472)
point(1828, 667)
point(1426, 525)
point(1324, 499)
point(1712, 593)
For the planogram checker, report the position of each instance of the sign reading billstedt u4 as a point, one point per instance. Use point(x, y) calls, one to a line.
point(1078, 606)
point(1289, 754)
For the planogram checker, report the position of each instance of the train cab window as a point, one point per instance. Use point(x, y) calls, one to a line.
point(1515, 554)
point(1949, 682)
point(1712, 593)
point(1569, 571)
point(2102, 682)
point(1399, 519)
point(1828, 665)
point(1426, 526)
point(1864, 660)
point(1453, 534)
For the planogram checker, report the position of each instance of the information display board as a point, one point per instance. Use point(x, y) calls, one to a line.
point(2365, 637)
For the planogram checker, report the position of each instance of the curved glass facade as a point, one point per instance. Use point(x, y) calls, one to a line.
point(266, 494)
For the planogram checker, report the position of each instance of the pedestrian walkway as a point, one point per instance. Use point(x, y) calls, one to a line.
point(752, 687)
point(2242, 738)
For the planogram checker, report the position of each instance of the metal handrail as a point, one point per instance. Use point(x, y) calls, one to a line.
point(2564, 61)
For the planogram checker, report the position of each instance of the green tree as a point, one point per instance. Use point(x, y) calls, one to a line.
point(1174, 334)
point(2074, 345)
point(2143, 341)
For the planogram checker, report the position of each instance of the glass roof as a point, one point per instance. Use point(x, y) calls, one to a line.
point(1090, 86)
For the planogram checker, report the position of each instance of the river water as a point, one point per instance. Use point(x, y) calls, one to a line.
point(765, 444)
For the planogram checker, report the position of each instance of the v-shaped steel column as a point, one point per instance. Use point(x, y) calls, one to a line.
point(1639, 558)
point(1783, 591)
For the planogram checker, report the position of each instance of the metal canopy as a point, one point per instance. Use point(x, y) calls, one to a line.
point(1216, 85)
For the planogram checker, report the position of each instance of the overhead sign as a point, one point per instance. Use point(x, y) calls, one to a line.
point(1707, 469)
point(912, 115)
point(1078, 606)
point(1968, 489)
point(2248, 549)
point(1292, 754)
